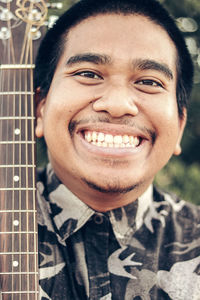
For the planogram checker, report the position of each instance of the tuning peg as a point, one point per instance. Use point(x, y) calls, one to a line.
point(35, 33)
point(6, 15)
point(6, 1)
point(4, 33)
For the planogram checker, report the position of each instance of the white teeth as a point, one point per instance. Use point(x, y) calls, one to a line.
point(125, 139)
point(88, 136)
point(94, 136)
point(131, 140)
point(100, 137)
point(136, 141)
point(108, 140)
point(117, 139)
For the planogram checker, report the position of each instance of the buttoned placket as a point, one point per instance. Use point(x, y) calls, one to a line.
point(96, 235)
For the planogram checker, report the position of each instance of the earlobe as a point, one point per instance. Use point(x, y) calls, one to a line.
point(182, 123)
point(39, 130)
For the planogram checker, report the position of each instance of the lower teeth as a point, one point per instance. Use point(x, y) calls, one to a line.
point(103, 144)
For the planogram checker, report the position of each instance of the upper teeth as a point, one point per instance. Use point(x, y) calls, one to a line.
point(108, 140)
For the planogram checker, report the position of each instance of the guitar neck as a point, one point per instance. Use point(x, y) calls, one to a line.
point(18, 224)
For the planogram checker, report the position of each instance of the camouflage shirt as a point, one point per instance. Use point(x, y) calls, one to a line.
point(149, 249)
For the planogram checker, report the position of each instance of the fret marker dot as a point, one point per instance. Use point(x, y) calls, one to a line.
point(16, 178)
point(16, 223)
point(17, 131)
point(15, 263)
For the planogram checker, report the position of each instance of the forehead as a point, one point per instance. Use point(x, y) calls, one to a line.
point(122, 37)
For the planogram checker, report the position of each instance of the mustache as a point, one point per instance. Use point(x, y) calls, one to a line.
point(122, 121)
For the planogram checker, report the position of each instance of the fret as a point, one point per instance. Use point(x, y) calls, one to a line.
point(20, 296)
point(20, 292)
point(19, 284)
point(20, 211)
point(17, 118)
point(16, 93)
point(18, 232)
point(16, 142)
point(20, 253)
point(16, 273)
point(17, 166)
point(18, 189)
point(16, 66)
point(16, 80)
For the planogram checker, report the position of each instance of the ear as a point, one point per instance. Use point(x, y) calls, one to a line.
point(40, 104)
point(182, 123)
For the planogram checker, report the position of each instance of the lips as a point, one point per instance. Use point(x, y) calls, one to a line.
point(106, 140)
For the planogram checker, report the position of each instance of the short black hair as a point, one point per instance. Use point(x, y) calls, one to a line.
point(53, 43)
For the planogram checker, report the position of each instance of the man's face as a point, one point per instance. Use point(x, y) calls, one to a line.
point(110, 118)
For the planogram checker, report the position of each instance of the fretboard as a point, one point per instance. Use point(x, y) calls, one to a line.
point(19, 24)
point(18, 234)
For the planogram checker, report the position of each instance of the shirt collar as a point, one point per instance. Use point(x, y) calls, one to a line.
point(69, 213)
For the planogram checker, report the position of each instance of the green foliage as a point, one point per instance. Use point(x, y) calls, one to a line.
point(182, 179)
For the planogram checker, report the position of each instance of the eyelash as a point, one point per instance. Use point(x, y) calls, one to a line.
point(141, 82)
point(81, 73)
point(149, 82)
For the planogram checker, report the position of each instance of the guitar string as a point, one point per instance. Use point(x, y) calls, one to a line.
point(28, 57)
point(23, 110)
point(26, 162)
point(8, 100)
point(42, 8)
point(11, 102)
point(21, 104)
point(33, 159)
point(3, 180)
point(32, 175)
point(15, 194)
point(35, 264)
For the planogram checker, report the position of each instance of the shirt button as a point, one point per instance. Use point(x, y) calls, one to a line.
point(98, 219)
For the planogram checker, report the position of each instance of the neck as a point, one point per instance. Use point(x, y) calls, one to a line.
point(103, 200)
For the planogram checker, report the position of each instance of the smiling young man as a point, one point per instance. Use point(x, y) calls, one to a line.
point(112, 80)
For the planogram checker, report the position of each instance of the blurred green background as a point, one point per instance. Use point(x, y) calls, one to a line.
point(182, 174)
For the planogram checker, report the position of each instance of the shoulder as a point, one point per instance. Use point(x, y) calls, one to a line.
point(181, 217)
point(175, 204)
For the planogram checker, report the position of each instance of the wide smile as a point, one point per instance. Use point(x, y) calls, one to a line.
point(107, 140)
point(111, 140)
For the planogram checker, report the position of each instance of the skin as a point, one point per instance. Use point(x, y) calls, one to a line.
point(117, 75)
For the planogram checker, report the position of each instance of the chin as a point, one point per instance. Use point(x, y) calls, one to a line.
point(111, 187)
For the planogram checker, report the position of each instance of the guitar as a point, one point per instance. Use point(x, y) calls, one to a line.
point(20, 21)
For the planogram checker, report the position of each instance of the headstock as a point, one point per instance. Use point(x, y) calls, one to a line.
point(19, 25)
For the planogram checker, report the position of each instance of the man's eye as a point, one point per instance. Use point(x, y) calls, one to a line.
point(88, 74)
point(149, 82)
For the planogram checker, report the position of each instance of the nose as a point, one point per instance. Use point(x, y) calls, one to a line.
point(117, 101)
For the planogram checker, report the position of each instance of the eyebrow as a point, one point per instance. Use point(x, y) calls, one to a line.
point(103, 59)
point(148, 64)
point(98, 59)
